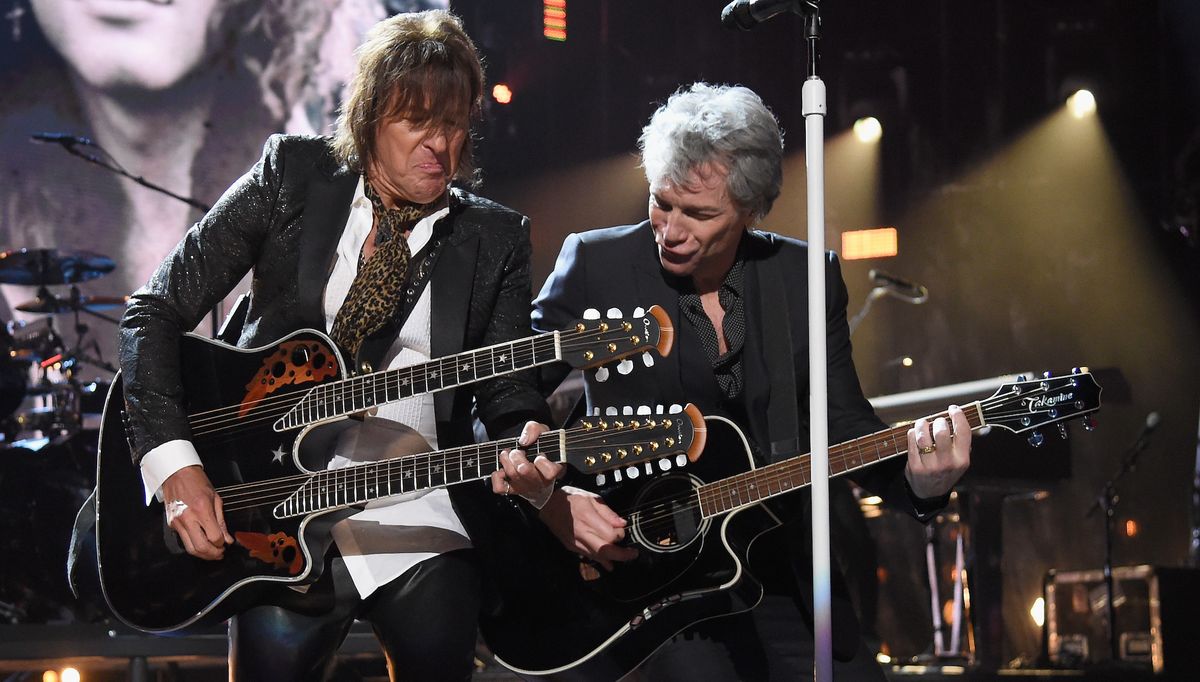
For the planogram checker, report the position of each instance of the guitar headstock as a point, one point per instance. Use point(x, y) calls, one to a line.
point(593, 341)
point(1025, 405)
point(674, 437)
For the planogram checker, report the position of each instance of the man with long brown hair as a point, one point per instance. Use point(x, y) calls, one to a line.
point(362, 236)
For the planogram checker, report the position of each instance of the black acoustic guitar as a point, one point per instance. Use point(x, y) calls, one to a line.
point(693, 530)
point(263, 421)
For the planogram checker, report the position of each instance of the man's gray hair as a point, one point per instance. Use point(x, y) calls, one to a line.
point(721, 124)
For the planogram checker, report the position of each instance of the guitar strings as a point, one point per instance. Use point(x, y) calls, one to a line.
point(412, 467)
point(657, 516)
point(218, 420)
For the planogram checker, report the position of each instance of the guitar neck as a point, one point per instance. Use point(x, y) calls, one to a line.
point(776, 479)
point(356, 394)
point(359, 484)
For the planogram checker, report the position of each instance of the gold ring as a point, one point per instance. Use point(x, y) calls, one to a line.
point(926, 450)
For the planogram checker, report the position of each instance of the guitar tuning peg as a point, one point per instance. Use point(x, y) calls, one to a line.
point(675, 409)
point(647, 359)
point(627, 410)
point(614, 314)
point(643, 410)
point(595, 411)
point(625, 366)
point(1036, 439)
point(602, 374)
point(1076, 370)
point(600, 479)
point(1089, 423)
point(1062, 431)
point(664, 464)
point(610, 411)
point(658, 409)
point(1021, 377)
point(639, 312)
point(681, 460)
point(1047, 375)
point(591, 314)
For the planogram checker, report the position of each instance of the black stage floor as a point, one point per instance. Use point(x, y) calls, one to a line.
point(105, 652)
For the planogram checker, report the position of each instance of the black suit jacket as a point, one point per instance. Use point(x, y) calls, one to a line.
point(619, 268)
point(283, 220)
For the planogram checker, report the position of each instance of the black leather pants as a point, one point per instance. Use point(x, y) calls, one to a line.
point(425, 620)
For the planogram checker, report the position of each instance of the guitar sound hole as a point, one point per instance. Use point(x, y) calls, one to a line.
point(667, 514)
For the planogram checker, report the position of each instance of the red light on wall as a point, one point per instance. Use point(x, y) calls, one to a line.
point(554, 20)
point(502, 93)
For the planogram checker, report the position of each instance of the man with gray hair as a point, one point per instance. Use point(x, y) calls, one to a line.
point(713, 160)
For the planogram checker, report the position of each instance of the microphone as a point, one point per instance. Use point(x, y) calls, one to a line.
point(65, 139)
point(1152, 421)
point(901, 288)
point(746, 14)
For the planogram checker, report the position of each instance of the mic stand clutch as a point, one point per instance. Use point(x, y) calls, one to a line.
point(1107, 501)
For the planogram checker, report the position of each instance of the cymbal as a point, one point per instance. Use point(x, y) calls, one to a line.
point(53, 305)
point(51, 266)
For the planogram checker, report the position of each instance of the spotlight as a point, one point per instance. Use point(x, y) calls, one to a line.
point(70, 675)
point(1038, 611)
point(502, 93)
point(1082, 103)
point(868, 129)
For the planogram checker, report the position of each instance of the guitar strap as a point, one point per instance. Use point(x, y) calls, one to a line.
point(782, 411)
point(375, 346)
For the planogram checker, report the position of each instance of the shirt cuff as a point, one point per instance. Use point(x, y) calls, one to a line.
point(164, 460)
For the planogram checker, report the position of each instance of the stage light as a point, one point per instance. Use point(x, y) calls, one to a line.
point(70, 675)
point(1131, 528)
point(50, 676)
point(1038, 611)
point(1082, 103)
point(502, 93)
point(875, 243)
point(868, 129)
point(554, 20)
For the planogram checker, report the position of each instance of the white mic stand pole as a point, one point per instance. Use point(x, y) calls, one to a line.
point(813, 98)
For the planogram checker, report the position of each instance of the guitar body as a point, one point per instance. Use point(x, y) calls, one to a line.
point(692, 566)
point(149, 580)
point(600, 624)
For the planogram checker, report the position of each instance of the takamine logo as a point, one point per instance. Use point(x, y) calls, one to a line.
point(1045, 402)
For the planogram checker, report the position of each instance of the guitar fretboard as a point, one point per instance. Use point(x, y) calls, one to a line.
point(776, 479)
point(356, 394)
point(363, 483)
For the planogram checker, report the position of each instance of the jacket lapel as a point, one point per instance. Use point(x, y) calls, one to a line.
point(451, 282)
point(327, 207)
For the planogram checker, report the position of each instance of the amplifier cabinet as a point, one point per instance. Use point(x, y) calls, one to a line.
point(1157, 616)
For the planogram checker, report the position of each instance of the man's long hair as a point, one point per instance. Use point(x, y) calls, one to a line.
point(420, 66)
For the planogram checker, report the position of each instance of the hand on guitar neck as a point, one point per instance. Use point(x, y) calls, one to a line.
point(938, 453)
point(193, 511)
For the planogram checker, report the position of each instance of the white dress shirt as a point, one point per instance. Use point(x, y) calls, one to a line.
point(390, 536)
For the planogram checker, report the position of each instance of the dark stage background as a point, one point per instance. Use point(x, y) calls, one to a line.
point(1046, 241)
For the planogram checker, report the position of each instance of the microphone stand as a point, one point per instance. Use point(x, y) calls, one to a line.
point(1107, 501)
point(116, 167)
point(814, 108)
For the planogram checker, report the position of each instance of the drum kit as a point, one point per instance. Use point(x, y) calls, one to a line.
point(43, 397)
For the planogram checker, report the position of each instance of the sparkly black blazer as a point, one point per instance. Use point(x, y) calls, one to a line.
point(282, 221)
